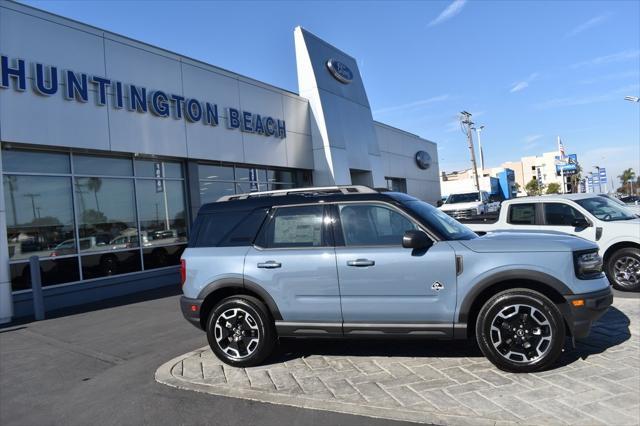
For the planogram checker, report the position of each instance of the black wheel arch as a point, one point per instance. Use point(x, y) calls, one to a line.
point(618, 246)
point(543, 283)
point(226, 287)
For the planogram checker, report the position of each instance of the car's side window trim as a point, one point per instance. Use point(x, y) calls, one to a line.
point(338, 230)
point(261, 243)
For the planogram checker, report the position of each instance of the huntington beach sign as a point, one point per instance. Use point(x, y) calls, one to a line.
point(47, 81)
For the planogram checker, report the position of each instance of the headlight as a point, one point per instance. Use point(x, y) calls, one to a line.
point(588, 264)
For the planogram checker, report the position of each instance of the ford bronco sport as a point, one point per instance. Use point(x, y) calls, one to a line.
point(354, 262)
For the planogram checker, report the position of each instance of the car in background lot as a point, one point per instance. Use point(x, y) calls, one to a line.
point(352, 262)
point(613, 227)
point(469, 204)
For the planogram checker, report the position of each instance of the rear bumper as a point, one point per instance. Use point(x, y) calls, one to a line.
point(580, 318)
point(191, 310)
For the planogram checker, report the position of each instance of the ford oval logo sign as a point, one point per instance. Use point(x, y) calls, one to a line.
point(340, 71)
point(423, 160)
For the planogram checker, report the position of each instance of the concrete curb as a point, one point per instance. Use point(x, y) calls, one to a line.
point(164, 376)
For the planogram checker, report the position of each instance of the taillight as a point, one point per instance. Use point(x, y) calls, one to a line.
point(183, 271)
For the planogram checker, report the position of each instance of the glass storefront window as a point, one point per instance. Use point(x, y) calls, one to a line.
point(106, 213)
point(244, 180)
point(211, 191)
point(39, 216)
point(19, 161)
point(161, 212)
point(101, 166)
point(52, 271)
point(44, 210)
point(209, 172)
point(158, 169)
point(110, 263)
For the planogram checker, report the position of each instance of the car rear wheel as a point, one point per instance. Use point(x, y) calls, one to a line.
point(520, 330)
point(623, 269)
point(240, 331)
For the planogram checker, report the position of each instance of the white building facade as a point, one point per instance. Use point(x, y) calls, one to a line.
point(110, 146)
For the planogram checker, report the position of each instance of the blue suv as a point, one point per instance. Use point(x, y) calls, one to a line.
point(354, 262)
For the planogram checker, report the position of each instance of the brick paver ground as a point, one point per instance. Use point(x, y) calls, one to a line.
point(438, 382)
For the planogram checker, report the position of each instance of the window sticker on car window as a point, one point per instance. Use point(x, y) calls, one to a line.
point(298, 229)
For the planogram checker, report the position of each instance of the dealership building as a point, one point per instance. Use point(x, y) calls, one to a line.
point(109, 146)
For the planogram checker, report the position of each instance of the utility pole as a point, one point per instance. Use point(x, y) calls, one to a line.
point(465, 119)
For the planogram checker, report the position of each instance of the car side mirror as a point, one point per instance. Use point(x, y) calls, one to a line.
point(439, 203)
point(415, 239)
point(580, 223)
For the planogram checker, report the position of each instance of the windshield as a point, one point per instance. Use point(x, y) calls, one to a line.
point(462, 198)
point(444, 224)
point(605, 209)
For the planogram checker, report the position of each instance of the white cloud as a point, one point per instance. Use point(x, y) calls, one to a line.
point(521, 85)
point(411, 105)
point(624, 55)
point(532, 139)
point(612, 76)
point(588, 25)
point(586, 100)
point(452, 10)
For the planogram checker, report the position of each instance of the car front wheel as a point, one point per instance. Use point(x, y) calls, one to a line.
point(520, 330)
point(623, 269)
point(240, 331)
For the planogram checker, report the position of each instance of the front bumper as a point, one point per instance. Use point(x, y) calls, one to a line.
point(191, 310)
point(580, 318)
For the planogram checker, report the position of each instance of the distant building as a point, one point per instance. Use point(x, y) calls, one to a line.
point(499, 182)
point(544, 168)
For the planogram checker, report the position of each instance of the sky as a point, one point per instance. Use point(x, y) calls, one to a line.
point(529, 71)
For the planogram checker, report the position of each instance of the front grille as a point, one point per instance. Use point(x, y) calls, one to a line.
point(462, 214)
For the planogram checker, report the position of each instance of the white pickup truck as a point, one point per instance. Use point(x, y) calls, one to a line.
point(468, 204)
point(613, 227)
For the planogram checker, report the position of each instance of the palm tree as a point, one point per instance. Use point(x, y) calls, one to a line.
point(94, 184)
point(627, 176)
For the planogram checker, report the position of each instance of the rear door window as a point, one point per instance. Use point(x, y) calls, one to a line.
point(522, 214)
point(292, 227)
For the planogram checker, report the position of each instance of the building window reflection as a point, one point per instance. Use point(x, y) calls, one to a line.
point(91, 216)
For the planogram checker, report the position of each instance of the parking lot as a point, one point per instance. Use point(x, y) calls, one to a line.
point(437, 382)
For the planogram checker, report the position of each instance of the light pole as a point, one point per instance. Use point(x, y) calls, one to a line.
point(478, 130)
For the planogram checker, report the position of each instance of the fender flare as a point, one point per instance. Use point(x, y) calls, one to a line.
point(511, 275)
point(246, 285)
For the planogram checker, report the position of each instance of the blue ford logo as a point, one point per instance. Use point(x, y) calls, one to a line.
point(340, 71)
point(423, 160)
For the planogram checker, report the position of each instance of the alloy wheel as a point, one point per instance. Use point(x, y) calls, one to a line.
point(521, 333)
point(626, 271)
point(237, 333)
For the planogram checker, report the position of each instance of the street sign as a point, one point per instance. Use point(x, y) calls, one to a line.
point(603, 175)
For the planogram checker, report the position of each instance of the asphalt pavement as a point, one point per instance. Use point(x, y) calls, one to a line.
point(96, 364)
point(97, 367)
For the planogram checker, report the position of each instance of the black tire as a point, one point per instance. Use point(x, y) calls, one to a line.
point(252, 321)
point(534, 320)
point(623, 269)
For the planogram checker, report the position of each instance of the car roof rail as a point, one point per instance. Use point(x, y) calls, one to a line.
point(308, 191)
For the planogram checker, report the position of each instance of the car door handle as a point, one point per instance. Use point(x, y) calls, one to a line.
point(360, 262)
point(271, 264)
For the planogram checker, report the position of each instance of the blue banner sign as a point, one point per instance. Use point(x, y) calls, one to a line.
point(570, 166)
point(47, 81)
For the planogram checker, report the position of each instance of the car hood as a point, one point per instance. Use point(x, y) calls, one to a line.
point(527, 241)
point(459, 206)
